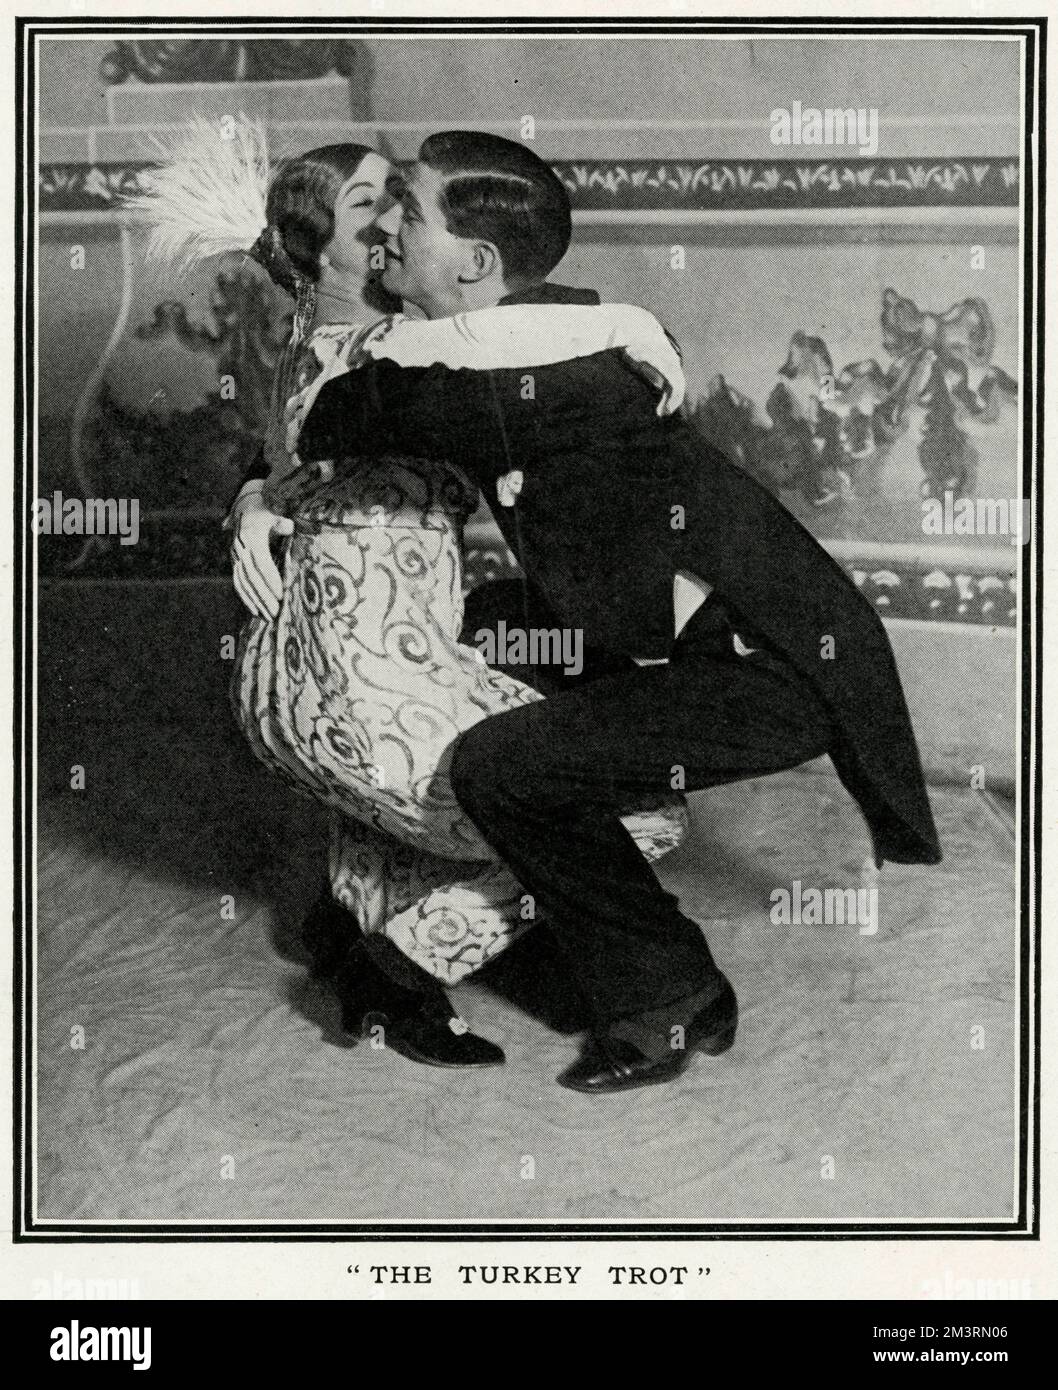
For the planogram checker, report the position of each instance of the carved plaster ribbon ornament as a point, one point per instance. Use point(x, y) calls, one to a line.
point(960, 340)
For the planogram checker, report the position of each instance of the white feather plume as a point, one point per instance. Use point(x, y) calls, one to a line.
point(207, 194)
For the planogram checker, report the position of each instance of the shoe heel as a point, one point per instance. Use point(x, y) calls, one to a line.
point(719, 1042)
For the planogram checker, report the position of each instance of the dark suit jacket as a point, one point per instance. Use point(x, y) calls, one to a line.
point(615, 500)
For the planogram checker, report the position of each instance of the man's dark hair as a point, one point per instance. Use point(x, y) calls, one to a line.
point(497, 190)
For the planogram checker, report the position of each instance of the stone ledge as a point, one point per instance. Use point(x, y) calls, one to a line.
point(300, 99)
point(945, 588)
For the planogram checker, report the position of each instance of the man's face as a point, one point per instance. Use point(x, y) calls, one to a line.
point(424, 261)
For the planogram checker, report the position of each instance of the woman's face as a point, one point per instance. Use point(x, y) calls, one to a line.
point(360, 200)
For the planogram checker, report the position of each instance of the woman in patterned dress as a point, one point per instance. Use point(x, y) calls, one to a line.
point(354, 685)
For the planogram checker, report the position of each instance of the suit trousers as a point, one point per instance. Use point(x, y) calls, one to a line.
point(544, 783)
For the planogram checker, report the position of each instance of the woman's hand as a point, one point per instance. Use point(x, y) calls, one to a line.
point(254, 572)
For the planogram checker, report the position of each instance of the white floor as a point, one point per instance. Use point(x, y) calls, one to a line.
point(209, 1085)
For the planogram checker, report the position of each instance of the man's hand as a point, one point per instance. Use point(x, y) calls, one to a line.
point(254, 573)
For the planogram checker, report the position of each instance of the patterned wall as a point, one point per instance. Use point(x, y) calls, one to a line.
point(920, 405)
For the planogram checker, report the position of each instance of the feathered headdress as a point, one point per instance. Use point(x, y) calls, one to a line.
point(207, 195)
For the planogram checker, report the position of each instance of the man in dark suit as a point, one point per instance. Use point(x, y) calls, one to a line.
point(782, 661)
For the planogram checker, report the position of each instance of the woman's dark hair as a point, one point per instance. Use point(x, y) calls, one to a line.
point(501, 192)
point(300, 208)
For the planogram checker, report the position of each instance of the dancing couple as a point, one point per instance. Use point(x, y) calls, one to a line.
point(720, 641)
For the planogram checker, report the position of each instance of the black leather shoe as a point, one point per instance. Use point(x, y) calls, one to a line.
point(422, 1027)
point(437, 1041)
point(613, 1064)
point(364, 988)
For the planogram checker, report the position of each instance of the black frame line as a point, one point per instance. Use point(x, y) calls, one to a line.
point(1031, 30)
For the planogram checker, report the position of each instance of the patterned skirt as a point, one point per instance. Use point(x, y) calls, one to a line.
point(355, 695)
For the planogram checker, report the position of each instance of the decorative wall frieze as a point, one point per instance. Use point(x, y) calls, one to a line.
point(757, 184)
point(721, 185)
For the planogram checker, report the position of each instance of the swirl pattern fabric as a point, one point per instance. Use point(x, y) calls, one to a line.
point(355, 694)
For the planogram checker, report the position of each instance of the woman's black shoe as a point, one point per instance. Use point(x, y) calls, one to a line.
point(420, 1026)
point(441, 1040)
point(365, 991)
